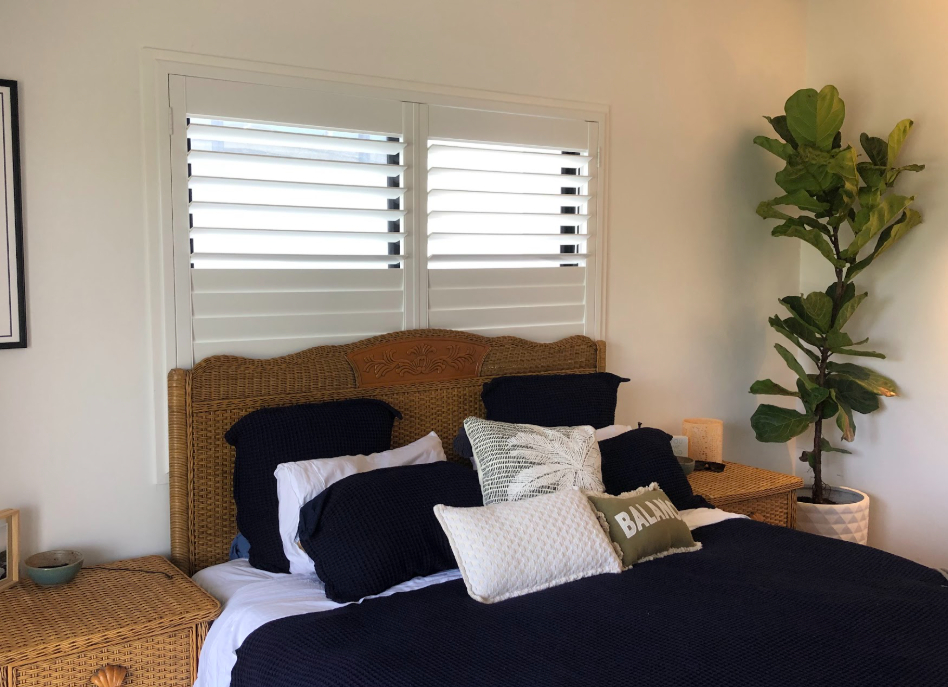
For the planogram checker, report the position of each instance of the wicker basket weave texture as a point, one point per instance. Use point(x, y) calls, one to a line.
point(152, 621)
point(761, 494)
point(206, 401)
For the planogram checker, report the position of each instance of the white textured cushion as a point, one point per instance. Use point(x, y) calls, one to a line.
point(517, 461)
point(514, 548)
point(299, 483)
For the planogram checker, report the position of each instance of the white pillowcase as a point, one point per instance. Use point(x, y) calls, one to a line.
point(517, 547)
point(516, 462)
point(611, 431)
point(298, 483)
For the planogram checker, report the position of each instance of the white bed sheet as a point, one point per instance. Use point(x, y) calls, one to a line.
point(251, 598)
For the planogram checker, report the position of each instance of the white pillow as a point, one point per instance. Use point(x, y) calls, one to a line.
point(602, 434)
point(611, 431)
point(298, 483)
point(516, 462)
point(517, 547)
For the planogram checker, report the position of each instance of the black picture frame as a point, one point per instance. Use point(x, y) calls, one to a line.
point(12, 264)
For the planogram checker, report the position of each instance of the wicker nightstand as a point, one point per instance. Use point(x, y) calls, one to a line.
point(150, 620)
point(761, 494)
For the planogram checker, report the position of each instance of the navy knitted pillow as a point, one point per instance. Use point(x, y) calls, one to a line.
point(270, 436)
point(374, 530)
point(639, 457)
point(553, 400)
point(462, 445)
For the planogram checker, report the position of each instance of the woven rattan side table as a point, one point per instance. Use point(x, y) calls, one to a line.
point(761, 494)
point(147, 618)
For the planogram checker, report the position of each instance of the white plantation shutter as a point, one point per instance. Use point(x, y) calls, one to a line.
point(295, 231)
point(309, 217)
point(511, 223)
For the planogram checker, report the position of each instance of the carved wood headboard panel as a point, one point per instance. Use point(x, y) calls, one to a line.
point(433, 376)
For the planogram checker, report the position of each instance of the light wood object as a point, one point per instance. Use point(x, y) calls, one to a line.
point(11, 517)
point(433, 376)
point(760, 494)
point(135, 627)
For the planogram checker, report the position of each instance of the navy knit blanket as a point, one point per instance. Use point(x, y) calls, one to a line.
point(758, 605)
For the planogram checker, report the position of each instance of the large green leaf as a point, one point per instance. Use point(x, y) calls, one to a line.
point(779, 123)
point(775, 424)
point(808, 170)
point(869, 379)
point(868, 195)
point(909, 220)
point(766, 210)
point(794, 365)
point(800, 199)
point(844, 420)
point(870, 222)
point(893, 174)
point(844, 165)
point(772, 145)
point(795, 305)
point(812, 396)
point(889, 236)
point(853, 395)
point(782, 327)
point(876, 149)
point(847, 309)
point(819, 308)
point(827, 447)
point(849, 291)
point(815, 118)
point(836, 339)
point(794, 229)
point(767, 387)
point(896, 139)
point(858, 352)
point(873, 175)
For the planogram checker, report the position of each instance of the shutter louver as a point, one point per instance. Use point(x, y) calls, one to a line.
point(290, 236)
point(507, 239)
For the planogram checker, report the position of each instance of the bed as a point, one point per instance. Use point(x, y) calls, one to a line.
point(756, 605)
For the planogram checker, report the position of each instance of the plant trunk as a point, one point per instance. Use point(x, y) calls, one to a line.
point(818, 461)
point(816, 458)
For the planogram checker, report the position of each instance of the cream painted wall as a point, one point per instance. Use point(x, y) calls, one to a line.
point(886, 70)
point(692, 272)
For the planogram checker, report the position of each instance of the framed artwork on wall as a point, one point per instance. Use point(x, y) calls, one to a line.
point(12, 281)
point(9, 547)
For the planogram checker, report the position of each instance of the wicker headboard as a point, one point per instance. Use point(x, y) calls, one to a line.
point(433, 376)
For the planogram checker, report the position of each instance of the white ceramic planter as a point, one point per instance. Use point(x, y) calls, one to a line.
point(847, 518)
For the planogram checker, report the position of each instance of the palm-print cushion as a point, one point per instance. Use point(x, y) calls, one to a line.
point(516, 462)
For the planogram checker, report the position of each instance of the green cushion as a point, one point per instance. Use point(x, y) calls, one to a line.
point(643, 524)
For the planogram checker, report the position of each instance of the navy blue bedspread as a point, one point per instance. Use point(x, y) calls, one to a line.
point(759, 605)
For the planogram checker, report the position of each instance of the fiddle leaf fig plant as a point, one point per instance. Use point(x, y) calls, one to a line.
point(842, 203)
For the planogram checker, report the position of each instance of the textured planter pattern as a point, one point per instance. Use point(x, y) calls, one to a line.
point(847, 519)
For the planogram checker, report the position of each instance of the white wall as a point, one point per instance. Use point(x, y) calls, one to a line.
point(890, 61)
point(692, 272)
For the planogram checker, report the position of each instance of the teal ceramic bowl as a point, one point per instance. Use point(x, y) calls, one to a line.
point(687, 464)
point(51, 568)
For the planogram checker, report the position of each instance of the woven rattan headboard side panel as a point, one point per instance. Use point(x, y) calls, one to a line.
point(432, 376)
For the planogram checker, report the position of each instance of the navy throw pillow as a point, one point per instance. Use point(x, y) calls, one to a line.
point(553, 400)
point(270, 436)
point(639, 457)
point(374, 530)
point(462, 445)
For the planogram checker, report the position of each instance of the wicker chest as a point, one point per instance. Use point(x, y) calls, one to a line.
point(760, 494)
point(148, 618)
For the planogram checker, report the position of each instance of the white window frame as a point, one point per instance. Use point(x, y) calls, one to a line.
point(160, 143)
